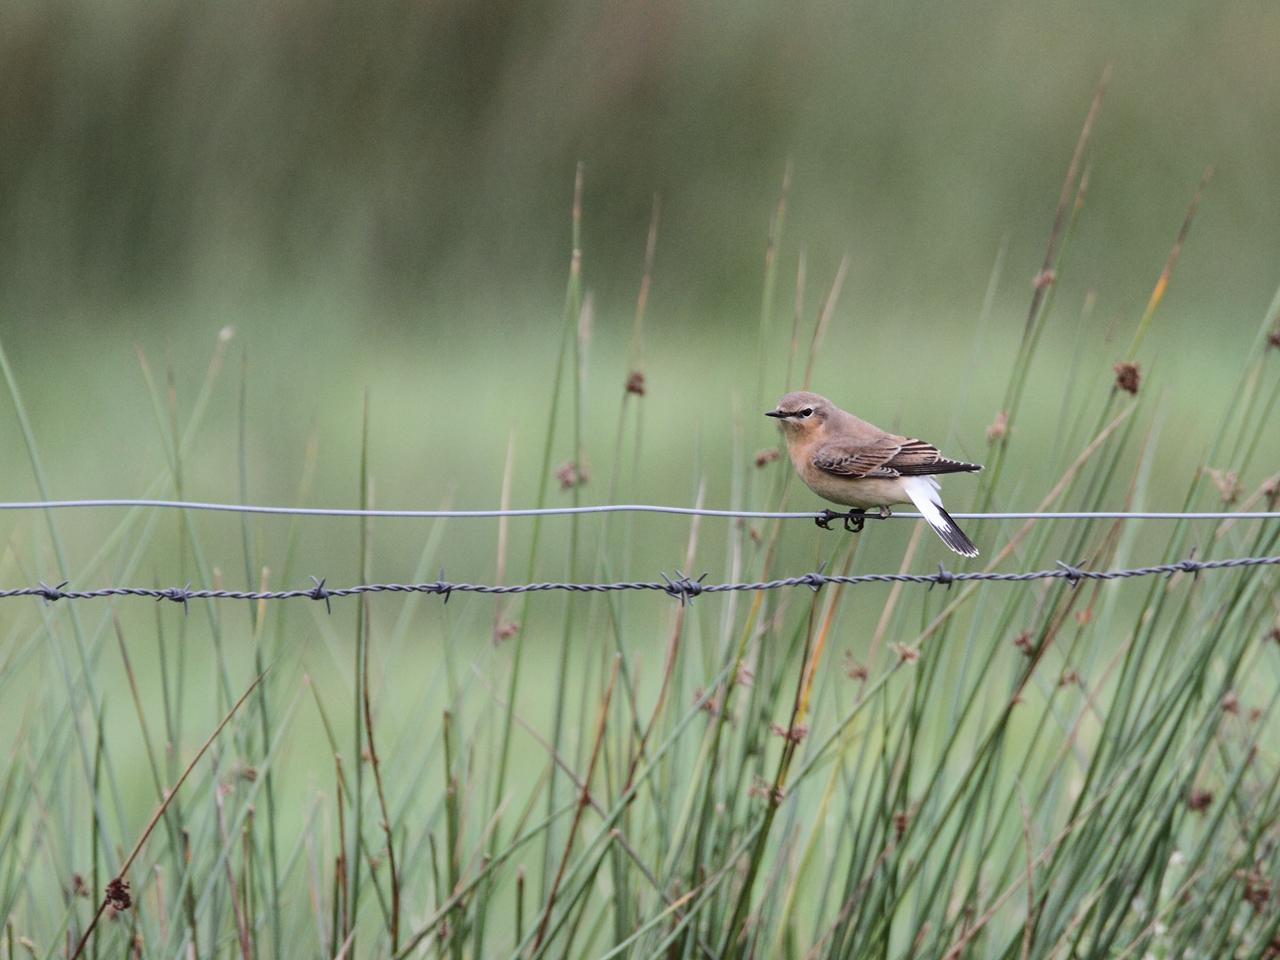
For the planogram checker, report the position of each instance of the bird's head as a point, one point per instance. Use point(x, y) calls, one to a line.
point(801, 412)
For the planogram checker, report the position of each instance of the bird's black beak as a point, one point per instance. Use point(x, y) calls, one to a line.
point(776, 414)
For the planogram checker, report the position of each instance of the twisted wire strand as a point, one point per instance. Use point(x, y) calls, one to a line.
point(681, 587)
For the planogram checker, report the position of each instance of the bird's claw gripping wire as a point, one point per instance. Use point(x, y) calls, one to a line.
point(853, 520)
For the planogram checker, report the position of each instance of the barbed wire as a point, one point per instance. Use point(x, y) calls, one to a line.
point(681, 587)
point(621, 508)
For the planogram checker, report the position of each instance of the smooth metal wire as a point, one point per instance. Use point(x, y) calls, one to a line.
point(618, 508)
point(680, 587)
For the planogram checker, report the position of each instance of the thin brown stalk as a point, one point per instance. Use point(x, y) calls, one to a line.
point(190, 903)
point(770, 277)
point(504, 526)
point(642, 297)
point(824, 318)
point(120, 881)
point(162, 910)
point(895, 592)
point(1162, 282)
point(1265, 492)
point(340, 863)
point(810, 668)
point(584, 800)
point(233, 889)
point(1028, 925)
point(1044, 280)
point(262, 604)
point(801, 280)
point(376, 764)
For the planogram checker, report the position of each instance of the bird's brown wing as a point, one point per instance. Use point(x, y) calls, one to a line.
point(884, 458)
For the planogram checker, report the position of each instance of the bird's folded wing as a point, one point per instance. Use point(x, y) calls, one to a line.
point(884, 458)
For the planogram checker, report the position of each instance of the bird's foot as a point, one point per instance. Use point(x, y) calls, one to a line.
point(885, 513)
point(854, 519)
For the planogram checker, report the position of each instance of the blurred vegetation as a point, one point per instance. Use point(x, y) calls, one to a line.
point(419, 156)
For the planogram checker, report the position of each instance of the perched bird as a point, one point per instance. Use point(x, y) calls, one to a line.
point(849, 461)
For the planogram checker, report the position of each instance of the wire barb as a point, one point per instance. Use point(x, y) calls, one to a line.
point(50, 594)
point(682, 588)
point(443, 587)
point(944, 577)
point(1073, 573)
point(815, 580)
point(319, 592)
point(177, 595)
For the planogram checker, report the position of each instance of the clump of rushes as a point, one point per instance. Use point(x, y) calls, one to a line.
point(994, 769)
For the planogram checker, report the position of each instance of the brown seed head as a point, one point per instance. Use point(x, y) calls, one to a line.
point(1127, 377)
point(1257, 888)
point(999, 427)
point(118, 894)
point(901, 820)
point(1227, 482)
point(1069, 678)
point(571, 474)
point(906, 653)
point(790, 734)
point(853, 669)
point(1043, 279)
point(1199, 800)
point(1230, 702)
point(767, 455)
point(761, 787)
point(635, 383)
point(707, 701)
point(505, 630)
point(1023, 642)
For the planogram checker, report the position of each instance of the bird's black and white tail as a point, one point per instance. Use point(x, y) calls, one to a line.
point(923, 492)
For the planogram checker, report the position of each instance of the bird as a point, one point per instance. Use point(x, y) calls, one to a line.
point(848, 461)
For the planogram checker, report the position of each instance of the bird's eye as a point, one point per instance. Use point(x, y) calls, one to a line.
point(807, 412)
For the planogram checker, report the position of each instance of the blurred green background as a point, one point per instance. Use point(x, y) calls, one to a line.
point(377, 196)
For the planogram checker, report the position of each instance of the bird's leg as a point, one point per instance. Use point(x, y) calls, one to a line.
point(824, 519)
point(854, 519)
point(885, 513)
